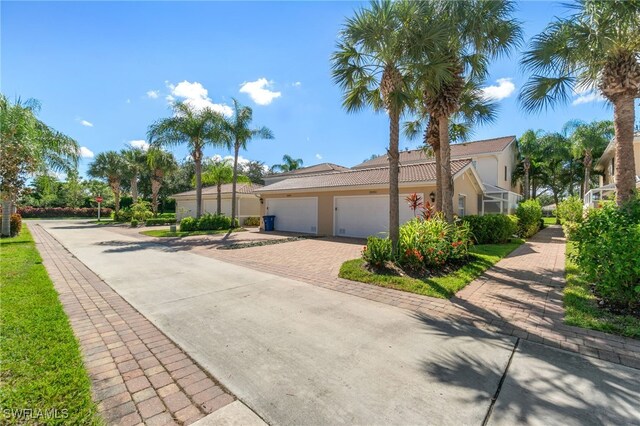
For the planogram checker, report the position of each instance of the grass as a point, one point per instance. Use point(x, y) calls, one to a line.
point(444, 287)
point(549, 220)
point(164, 233)
point(41, 365)
point(581, 306)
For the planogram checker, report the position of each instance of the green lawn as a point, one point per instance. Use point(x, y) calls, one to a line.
point(166, 233)
point(41, 366)
point(549, 220)
point(581, 308)
point(444, 287)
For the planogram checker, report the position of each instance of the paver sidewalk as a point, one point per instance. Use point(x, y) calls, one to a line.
point(137, 373)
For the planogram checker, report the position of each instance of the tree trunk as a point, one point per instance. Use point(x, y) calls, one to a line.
point(236, 150)
point(445, 169)
point(587, 173)
point(533, 189)
point(115, 188)
point(219, 201)
point(134, 189)
point(527, 166)
point(155, 190)
point(198, 168)
point(7, 207)
point(625, 176)
point(432, 137)
point(394, 171)
point(557, 201)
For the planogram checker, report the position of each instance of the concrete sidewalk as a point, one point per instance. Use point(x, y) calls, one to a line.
point(301, 354)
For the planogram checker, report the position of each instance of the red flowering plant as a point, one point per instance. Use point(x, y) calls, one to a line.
point(415, 202)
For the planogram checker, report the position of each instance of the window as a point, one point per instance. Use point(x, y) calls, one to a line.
point(505, 174)
point(462, 202)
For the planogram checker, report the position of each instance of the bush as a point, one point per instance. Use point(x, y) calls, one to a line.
point(252, 221)
point(492, 228)
point(529, 215)
point(188, 224)
point(608, 251)
point(16, 224)
point(159, 221)
point(570, 211)
point(213, 222)
point(377, 251)
point(123, 215)
point(141, 210)
point(134, 223)
point(48, 212)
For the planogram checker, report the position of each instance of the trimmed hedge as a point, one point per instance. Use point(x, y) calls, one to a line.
point(16, 224)
point(529, 215)
point(252, 221)
point(45, 212)
point(207, 222)
point(492, 228)
point(159, 221)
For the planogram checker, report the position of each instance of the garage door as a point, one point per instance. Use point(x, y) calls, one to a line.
point(294, 214)
point(362, 216)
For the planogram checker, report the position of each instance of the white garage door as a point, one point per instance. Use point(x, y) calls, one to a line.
point(294, 214)
point(362, 216)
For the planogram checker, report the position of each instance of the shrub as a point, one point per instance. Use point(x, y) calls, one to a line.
point(608, 251)
point(252, 221)
point(141, 210)
point(570, 211)
point(188, 224)
point(529, 215)
point(436, 241)
point(123, 215)
point(134, 223)
point(16, 224)
point(159, 221)
point(492, 228)
point(48, 212)
point(213, 222)
point(377, 251)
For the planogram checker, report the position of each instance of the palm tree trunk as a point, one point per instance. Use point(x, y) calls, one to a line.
point(198, 168)
point(587, 173)
point(7, 207)
point(526, 185)
point(394, 171)
point(236, 149)
point(155, 190)
point(623, 121)
point(433, 138)
point(115, 188)
point(445, 169)
point(219, 206)
point(134, 189)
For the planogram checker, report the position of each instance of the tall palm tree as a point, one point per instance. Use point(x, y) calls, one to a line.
point(597, 48)
point(27, 146)
point(135, 160)
point(238, 133)
point(195, 127)
point(109, 165)
point(588, 141)
point(161, 163)
point(218, 173)
point(555, 150)
point(529, 146)
point(370, 66)
point(288, 164)
point(477, 32)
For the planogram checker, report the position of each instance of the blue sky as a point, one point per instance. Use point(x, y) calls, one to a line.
point(103, 71)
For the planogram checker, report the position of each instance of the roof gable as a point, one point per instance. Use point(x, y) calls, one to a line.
point(241, 188)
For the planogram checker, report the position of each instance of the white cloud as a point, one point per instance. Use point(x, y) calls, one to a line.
point(196, 96)
point(259, 91)
point(319, 157)
point(153, 94)
point(502, 90)
point(128, 101)
point(85, 152)
point(140, 144)
point(86, 123)
point(585, 97)
point(297, 84)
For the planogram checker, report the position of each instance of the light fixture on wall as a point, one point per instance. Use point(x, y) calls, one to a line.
point(261, 200)
point(432, 197)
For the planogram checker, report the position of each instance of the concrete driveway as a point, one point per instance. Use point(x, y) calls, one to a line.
point(301, 354)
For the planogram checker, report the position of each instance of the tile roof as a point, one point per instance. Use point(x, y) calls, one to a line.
point(318, 168)
point(241, 188)
point(459, 150)
point(420, 172)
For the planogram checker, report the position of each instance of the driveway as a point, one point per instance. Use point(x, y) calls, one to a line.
point(302, 354)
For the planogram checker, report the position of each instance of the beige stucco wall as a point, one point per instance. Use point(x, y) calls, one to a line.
point(491, 167)
point(248, 205)
point(463, 184)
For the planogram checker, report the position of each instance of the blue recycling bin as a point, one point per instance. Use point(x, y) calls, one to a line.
point(269, 222)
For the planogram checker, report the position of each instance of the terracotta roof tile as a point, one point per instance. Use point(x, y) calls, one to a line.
point(318, 168)
point(241, 188)
point(420, 172)
point(459, 150)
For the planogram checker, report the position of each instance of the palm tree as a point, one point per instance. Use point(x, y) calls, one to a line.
point(27, 146)
point(477, 32)
point(195, 127)
point(555, 149)
point(135, 160)
point(588, 141)
point(370, 66)
point(161, 163)
point(109, 165)
point(288, 164)
point(238, 133)
point(218, 173)
point(597, 48)
point(529, 148)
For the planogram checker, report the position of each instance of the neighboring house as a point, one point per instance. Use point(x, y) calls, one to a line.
point(355, 202)
point(606, 166)
point(248, 203)
point(494, 160)
point(318, 168)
